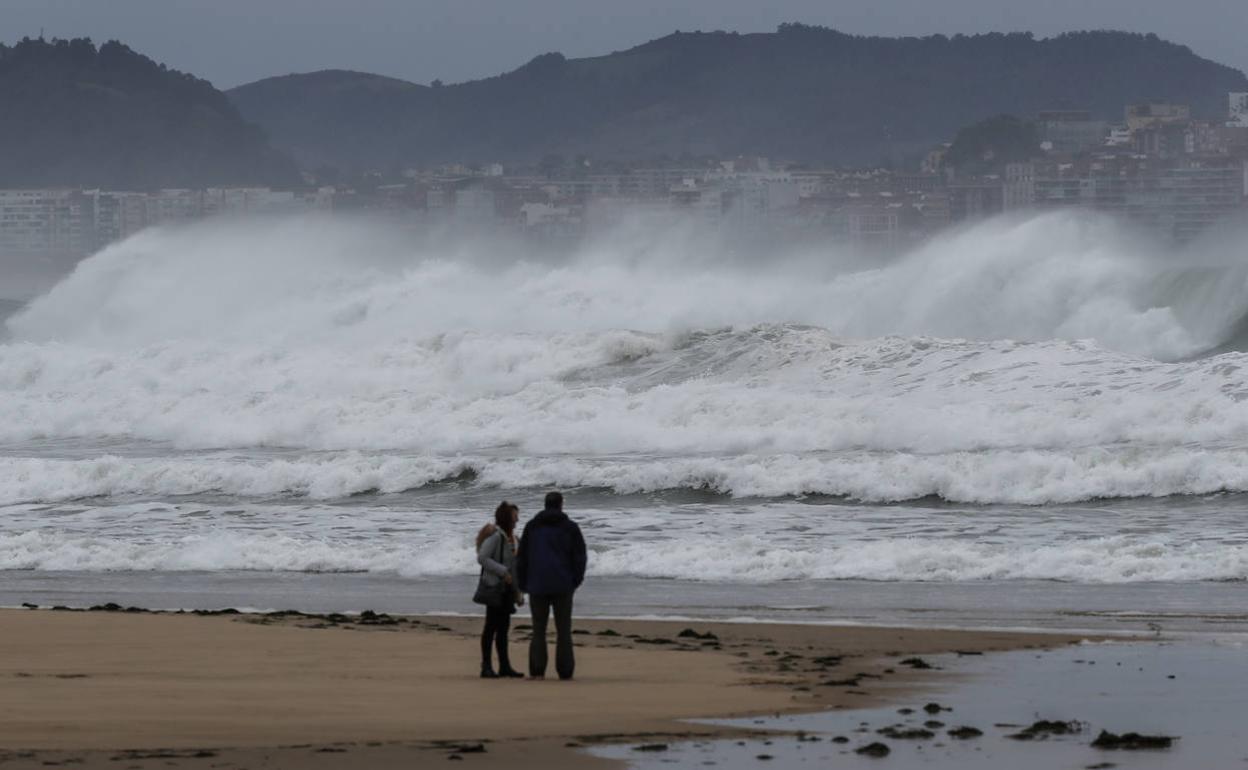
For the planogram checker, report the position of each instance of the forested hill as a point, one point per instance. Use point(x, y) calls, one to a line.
point(805, 93)
point(72, 114)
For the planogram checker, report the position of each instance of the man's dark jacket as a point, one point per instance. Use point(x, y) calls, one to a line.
point(552, 555)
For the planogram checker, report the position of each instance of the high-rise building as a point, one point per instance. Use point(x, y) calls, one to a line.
point(47, 222)
point(1176, 199)
point(1237, 110)
point(1070, 131)
point(1155, 113)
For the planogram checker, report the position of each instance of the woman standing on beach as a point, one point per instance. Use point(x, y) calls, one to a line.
point(496, 553)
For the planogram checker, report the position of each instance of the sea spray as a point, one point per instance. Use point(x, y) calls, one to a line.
point(311, 281)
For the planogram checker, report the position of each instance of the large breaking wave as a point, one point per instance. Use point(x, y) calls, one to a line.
point(315, 281)
point(1048, 359)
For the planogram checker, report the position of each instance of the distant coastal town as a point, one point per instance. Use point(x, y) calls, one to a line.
point(1158, 169)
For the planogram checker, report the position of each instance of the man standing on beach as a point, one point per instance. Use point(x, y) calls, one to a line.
point(549, 568)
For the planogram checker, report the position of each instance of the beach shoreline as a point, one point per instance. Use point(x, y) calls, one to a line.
point(306, 690)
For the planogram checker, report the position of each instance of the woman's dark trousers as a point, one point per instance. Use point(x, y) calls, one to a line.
point(497, 623)
point(565, 661)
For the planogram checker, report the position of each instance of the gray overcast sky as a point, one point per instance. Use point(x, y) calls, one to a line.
point(236, 41)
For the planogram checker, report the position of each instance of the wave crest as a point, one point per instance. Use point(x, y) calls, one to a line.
point(1027, 477)
point(741, 559)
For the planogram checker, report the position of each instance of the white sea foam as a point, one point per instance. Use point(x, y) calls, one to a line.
point(319, 281)
point(750, 559)
point(1020, 362)
point(1109, 560)
point(1026, 477)
point(743, 380)
point(26, 480)
point(772, 410)
point(223, 551)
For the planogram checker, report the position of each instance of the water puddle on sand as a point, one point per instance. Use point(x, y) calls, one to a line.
point(1191, 690)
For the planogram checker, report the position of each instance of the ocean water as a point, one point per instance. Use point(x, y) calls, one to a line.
point(1037, 421)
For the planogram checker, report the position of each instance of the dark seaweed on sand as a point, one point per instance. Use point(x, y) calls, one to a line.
point(873, 750)
point(689, 633)
point(1130, 741)
point(901, 732)
point(1044, 728)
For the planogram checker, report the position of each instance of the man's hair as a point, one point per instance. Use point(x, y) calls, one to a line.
point(554, 501)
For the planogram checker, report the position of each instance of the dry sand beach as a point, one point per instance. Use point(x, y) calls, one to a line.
point(145, 690)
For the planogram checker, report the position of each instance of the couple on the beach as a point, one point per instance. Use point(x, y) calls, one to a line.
point(548, 563)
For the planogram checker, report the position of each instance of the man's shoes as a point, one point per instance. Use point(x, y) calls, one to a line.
point(487, 672)
point(509, 673)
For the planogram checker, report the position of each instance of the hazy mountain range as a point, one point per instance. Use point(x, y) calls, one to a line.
point(75, 114)
point(802, 93)
point(72, 114)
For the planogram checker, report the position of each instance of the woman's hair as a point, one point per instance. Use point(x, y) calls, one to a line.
point(486, 530)
point(503, 518)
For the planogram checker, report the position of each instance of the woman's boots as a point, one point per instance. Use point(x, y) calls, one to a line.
point(504, 665)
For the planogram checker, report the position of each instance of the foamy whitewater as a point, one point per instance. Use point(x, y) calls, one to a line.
point(1028, 399)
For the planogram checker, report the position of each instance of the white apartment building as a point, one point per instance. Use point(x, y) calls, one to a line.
point(47, 221)
point(1237, 110)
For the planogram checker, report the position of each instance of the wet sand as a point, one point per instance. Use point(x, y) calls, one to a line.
point(118, 689)
point(1024, 710)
